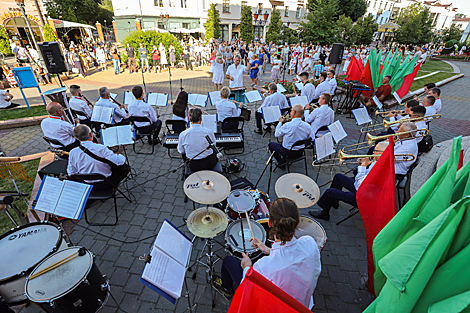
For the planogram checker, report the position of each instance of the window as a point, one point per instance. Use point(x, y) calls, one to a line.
point(286, 12)
point(187, 25)
point(226, 6)
point(244, 3)
point(161, 25)
point(183, 4)
point(159, 3)
point(298, 12)
point(260, 8)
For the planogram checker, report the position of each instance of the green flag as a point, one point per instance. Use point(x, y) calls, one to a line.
point(387, 66)
point(462, 183)
point(455, 304)
point(399, 76)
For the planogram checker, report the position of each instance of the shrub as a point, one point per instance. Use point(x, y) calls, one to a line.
point(49, 34)
point(4, 43)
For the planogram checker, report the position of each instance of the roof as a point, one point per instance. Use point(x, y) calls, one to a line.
point(67, 24)
point(461, 19)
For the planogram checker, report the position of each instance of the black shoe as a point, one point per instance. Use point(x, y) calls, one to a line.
point(258, 131)
point(282, 166)
point(217, 283)
point(154, 141)
point(321, 215)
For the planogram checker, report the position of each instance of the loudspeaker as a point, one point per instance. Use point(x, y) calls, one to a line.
point(53, 57)
point(336, 54)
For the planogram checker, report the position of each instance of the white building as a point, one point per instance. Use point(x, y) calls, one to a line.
point(192, 14)
point(461, 21)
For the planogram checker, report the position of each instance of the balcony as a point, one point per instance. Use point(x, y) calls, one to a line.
point(276, 2)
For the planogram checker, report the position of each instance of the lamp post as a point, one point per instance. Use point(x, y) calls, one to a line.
point(20, 3)
point(263, 19)
point(165, 17)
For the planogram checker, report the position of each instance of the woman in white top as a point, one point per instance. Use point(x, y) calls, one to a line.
point(163, 59)
point(218, 71)
point(101, 58)
point(276, 69)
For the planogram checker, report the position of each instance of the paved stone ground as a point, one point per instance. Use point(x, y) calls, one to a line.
point(344, 267)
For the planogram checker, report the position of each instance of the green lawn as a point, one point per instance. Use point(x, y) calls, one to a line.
point(433, 66)
point(22, 112)
point(431, 79)
point(31, 168)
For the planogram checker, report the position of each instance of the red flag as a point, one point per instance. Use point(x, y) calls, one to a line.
point(361, 64)
point(405, 87)
point(376, 201)
point(366, 79)
point(257, 294)
point(354, 71)
point(460, 160)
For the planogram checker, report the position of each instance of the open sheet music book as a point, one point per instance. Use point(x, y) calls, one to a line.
point(299, 86)
point(361, 115)
point(252, 96)
point(63, 198)
point(377, 102)
point(170, 254)
point(324, 146)
point(102, 114)
point(214, 97)
point(158, 99)
point(397, 97)
point(128, 97)
point(113, 95)
point(337, 131)
point(280, 88)
point(210, 122)
point(118, 135)
point(302, 100)
point(271, 114)
point(199, 100)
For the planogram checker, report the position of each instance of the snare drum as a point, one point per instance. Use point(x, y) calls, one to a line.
point(309, 226)
point(237, 201)
point(234, 238)
point(22, 248)
point(76, 286)
point(262, 204)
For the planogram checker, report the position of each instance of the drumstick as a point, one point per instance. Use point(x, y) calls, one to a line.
point(53, 266)
point(248, 219)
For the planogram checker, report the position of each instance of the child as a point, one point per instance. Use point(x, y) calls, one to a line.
point(292, 64)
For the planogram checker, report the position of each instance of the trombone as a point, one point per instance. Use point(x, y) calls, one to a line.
point(370, 140)
point(342, 157)
point(386, 124)
point(392, 111)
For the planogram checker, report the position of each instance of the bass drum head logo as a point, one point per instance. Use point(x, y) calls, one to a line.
point(12, 237)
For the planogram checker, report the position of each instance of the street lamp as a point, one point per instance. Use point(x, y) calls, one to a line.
point(263, 19)
point(165, 18)
point(20, 3)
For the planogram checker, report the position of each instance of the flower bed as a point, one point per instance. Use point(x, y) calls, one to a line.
point(450, 57)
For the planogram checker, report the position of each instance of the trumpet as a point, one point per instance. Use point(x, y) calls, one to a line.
point(342, 157)
point(312, 107)
point(386, 124)
point(392, 111)
point(370, 140)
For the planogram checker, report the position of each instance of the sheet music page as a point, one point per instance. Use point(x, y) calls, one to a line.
point(397, 97)
point(152, 98)
point(293, 101)
point(252, 96)
point(337, 131)
point(361, 115)
point(271, 114)
point(280, 88)
point(96, 113)
point(173, 243)
point(201, 100)
point(162, 100)
point(128, 97)
point(109, 137)
point(125, 134)
point(165, 273)
point(377, 102)
point(324, 146)
point(106, 115)
point(214, 96)
point(50, 191)
point(71, 199)
point(302, 100)
point(299, 86)
point(210, 122)
point(192, 98)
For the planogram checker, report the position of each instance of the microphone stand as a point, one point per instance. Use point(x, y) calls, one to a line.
point(171, 93)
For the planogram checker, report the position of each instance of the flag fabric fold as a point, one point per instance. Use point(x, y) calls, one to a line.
point(354, 70)
point(366, 79)
point(407, 81)
point(405, 69)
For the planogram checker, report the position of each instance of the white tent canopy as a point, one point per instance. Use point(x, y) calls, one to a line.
point(198, 30)
point(67, 24)
point(180, 30)
point(158, 30)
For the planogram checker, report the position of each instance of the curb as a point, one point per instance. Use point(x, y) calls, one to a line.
point(22, 122)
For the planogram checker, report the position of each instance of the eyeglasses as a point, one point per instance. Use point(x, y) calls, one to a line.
point(380, 151)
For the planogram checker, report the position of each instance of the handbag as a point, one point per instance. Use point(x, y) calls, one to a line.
point(426, 144)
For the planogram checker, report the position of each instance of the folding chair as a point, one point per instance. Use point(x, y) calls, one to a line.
point(139, 134)
point(289, 161)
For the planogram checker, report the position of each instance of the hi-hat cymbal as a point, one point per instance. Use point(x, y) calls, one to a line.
point(207, 187)
point(299, 188)
point(207, 222)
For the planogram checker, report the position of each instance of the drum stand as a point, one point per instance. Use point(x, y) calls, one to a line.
point(270, 163)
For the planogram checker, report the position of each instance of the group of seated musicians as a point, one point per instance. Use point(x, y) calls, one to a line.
point(382, 93)
point(274, 98)
point(55, 127)
point(291, 264)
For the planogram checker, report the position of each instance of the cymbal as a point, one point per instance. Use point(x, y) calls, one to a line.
point(207, 222)
point(299, 188)
point(207, 187)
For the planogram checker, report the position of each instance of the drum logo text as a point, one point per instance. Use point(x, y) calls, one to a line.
point(308, 195)
point(28, 233)
point(192, 186)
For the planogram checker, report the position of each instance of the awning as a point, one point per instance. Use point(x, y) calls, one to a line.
point(180, 30)
point(67, 24)
point(158, 30)
point(198, 30)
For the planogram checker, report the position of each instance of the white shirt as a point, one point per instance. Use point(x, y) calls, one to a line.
point(3, 99)
point(78, 104)
point(438, 105)
point(362, 172)
point(293, 131)
point(119, 114)
point(226, 108)
point(409, 146)
point(277, 64)
point(293, 267)
point(140, 108)
point(192, 141)
point(332, 82)
point(323, 87)
point(323, 116)
point(273, 99)
point(308, 90)
point(397, 118)
point(56, 128)
point(237, 74)
point(82, 163)
point(430, 110)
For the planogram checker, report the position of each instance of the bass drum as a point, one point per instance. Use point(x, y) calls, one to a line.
point(310, 227)
point(21, 249)
point(76, 286)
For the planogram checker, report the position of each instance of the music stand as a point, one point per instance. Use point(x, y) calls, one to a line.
point(26, 79)
point(9, 164)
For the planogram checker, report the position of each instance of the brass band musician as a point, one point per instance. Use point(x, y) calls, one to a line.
point(80, 105)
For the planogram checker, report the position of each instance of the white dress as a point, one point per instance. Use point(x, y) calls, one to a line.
point(218, 71)
point(163, 59)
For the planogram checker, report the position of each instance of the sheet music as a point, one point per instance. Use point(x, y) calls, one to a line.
point(102, 114)
point(299, 86)
point(196, 99)
point(210, 122)
point(214, 97)
point(361, 115)
point(158, 99)
point(377, 102)
point(337, 131)
point(324, 146)
point(48, 195)
point(280, 88)
point(174, 243)
point(271, 114)
point(113, 95)
point(397, 97)
point(71, 199)
point(128, 97)
point(252, 96)
point(302, 100)
point(125, 134)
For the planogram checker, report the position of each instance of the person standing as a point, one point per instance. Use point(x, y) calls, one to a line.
point(171, 49)
point(218, 71)
point(130, 57)
point(163, 59)
point(187, 58)
point(156, 59)
point(101, 58)
point(254, 69)
point(116, 61)
point(143, 58)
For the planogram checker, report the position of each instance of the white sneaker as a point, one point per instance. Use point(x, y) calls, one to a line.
point(80, 75)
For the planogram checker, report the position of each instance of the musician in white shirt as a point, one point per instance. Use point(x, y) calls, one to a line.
point(322, 116)
point(308, 89)
point(82, 163)
point(274, 98)
point(227, 108)
point(418, 112)
point(428, 103)
point(436, 93)
point(335, 193)
point(192, 142)
point(78, 104)
point(405, 144)
point(332, 81)
point(235, 73)
point(291, 264)
point(322, 87)
point(120, 115)
point(292, 131)
point(142, 109)
point(54, 127)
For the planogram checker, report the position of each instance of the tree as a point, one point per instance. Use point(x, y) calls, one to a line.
point(49, 34)
point(452, 32)
point(362, 33)
point(213, 22)
point(289, 35)
point(416, 25)
point(343, 30)
point(83, 11)
point(4, 43)
point(350, 8)
point(319, 26)
point(246, 24)
point(275, 26)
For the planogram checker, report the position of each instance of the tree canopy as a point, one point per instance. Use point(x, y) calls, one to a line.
point(275, 26)
point(4, 43)
point(320, 24)
point(246, 24)
point(416, 25)
point(353, 9)
point(83, 11)
point(213, 22)
point(363, 31)
point(49, 34)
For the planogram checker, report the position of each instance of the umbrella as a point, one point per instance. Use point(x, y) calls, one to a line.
point(180, 30)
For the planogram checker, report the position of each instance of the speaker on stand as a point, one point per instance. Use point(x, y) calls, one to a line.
point(336, 55)
point(53, 58)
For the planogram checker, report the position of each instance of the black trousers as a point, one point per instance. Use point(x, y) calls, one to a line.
point(259, 117)
point(335, 193)
point(281, 152)
point(206, 163)
point(154, 126)
point(113, 180)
